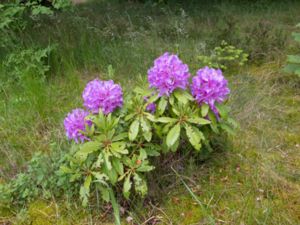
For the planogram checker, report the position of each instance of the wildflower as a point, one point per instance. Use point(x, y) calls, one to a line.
point(104, 95)
point(168, 74)
point(210, 86)
point(75, 123)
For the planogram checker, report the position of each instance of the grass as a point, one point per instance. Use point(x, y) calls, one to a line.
point(252, 179)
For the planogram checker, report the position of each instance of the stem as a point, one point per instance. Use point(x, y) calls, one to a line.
point(115, 206)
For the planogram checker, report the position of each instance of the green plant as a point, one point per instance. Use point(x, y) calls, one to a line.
point(39, 180)
point(293, 61)
point(121, 145)
point(27, 62)
point(13, 15)
point(225, 56)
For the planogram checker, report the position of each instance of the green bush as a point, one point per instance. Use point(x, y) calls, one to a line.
point(122, 145)
point(121, 149)
point(27, 62)
point(225, 56)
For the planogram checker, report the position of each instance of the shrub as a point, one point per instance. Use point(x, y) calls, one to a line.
point(23, 63)
point(117, 145)
point(39, 180)
point(13, 15)
point(224, 56)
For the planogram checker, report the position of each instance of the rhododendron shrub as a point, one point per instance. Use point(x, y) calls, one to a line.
point(119, 141)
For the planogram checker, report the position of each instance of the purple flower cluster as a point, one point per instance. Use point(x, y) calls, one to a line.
point(209, 86)
point(104, 95)
point(168, 74)
point(75, 123)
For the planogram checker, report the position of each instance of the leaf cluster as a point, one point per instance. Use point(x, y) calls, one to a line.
point(224, 56)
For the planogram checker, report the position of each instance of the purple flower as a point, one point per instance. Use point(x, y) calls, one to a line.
point(151, 107)
point(209, 86)
point(168, 73)
point(75, 123)
point(104, 95)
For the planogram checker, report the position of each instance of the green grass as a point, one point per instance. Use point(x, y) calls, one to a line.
point(252, 179)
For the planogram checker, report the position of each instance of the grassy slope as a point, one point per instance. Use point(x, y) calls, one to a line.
point(253, 180)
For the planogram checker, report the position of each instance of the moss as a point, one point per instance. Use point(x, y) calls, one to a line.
point(184, 210)
point(41, 213)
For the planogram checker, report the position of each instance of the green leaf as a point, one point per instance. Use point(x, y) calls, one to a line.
point(115, 206)
point(146, 127)
point(213, 120)
point(175, 146)
point(140, 185)
point(86, 149)
point(194, 136)
point(228, 129)
point(142, 91)
point(118, 166)
point(100, 178)
point(173, 135)
point(104, 193)
point(150, 117)
point(198, 120)
point(291, 68)
point(183, 96)
point(148, 136)
point(112, 174)
point(293, 59)
point(126, 187)
point(66, 170)
point(171, 100)
point(204, 110)
point(187, 95)
point(152, 152)
point(119, 147)
point(85, 190)
point(296, 36)
point(162, 106)
point(223, 111)
point(130, 116)
point(145, 168)
point(120, 137)
point(107, 161)
point(166, 120)
point(153, 98)
point(143, 154)
point(133, 130)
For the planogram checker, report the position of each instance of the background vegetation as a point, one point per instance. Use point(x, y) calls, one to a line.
point(252, 178)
